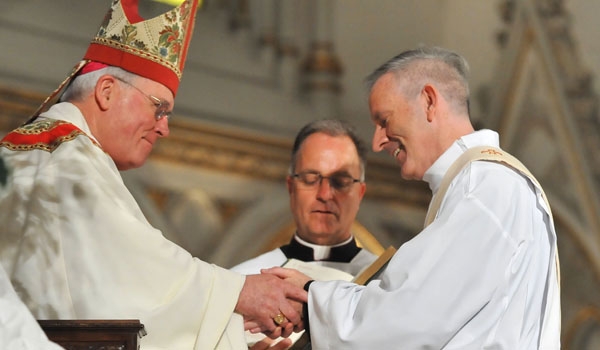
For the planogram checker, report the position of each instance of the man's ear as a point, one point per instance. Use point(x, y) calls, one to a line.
point(431, 99)
point(105, 91)
point(363, 189)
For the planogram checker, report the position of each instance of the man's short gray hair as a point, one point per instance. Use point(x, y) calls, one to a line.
point(440, 67)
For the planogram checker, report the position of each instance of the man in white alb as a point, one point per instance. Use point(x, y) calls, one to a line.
point(483, 273)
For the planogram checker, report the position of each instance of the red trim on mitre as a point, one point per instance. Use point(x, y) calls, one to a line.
point(134, 64)
point(189, 32)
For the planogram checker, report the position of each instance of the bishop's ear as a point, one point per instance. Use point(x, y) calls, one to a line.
point(105, 91)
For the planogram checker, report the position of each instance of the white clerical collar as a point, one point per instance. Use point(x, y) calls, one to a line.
point(434, 175)
point(321, 252)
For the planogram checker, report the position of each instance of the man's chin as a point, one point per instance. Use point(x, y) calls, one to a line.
point(321, 233)
point(409, 176)
point(131, 164)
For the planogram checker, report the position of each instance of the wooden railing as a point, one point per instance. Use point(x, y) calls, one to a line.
point(94, 334)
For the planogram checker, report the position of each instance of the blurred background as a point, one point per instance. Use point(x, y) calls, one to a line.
point(258, 70)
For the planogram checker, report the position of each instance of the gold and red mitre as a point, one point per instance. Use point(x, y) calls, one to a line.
point(155, 48)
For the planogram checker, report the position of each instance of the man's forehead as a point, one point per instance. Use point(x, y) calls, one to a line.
point(321, 141)
point(332, 150)
point(382, 96)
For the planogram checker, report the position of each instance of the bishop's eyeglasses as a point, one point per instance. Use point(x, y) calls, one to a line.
point(162, 106)
point(340, 182)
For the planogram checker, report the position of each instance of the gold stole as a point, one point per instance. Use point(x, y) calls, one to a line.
point(493, 154)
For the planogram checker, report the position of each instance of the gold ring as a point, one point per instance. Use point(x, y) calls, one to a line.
point(279, 318)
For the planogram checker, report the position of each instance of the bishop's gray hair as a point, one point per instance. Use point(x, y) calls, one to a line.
point(84, 84)
point(444, 69)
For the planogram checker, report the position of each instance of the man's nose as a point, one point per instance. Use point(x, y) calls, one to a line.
point(325, 190)
point(162, 127)
point(379, 139)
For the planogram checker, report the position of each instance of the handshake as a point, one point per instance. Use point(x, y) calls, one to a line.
point(272, 303)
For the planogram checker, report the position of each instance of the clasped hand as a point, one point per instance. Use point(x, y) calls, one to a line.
point(267, 295)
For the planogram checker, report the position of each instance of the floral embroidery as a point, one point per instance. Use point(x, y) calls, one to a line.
point(107, 19)
point(128, 37)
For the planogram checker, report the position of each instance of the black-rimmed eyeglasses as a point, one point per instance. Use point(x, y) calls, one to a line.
point(340, 182)
point(162, 106)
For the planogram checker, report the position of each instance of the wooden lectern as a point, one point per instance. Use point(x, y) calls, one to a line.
point(94, 334)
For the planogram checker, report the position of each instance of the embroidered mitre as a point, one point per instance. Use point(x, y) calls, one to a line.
point(155, 48)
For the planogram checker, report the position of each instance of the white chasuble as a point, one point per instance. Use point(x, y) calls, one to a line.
point(77, 246)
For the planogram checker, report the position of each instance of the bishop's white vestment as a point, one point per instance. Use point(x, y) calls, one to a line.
point(18, 329)
point(77, 246)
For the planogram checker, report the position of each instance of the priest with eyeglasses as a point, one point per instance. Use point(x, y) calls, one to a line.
point(326, 183)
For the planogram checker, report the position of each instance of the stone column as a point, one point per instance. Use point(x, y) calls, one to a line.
point(320, 68)
point(287, 48)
